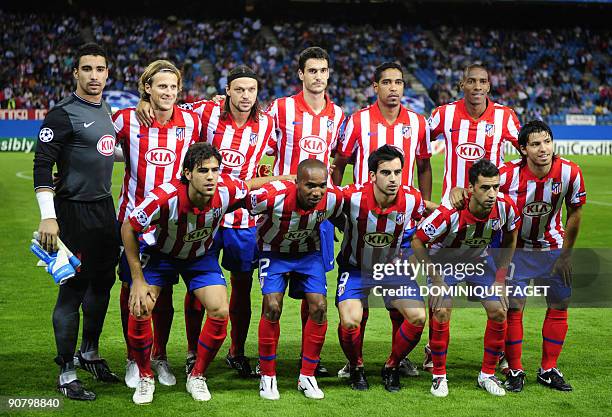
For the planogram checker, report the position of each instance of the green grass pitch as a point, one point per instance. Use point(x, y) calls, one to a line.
point(27, 348)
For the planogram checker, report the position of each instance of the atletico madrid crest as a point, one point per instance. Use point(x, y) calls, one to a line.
point(399, 219)
point(330, 125)
point(489, 129)
point(180, 133)
point(216, 212)
point(320, 216)
point(406, 131)
point(556, 187)
point(253, 139)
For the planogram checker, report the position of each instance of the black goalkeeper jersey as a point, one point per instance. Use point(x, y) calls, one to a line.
point(79, 137)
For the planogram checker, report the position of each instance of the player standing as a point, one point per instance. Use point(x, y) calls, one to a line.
point(468, 232)
point(78, 136)
point(386, 122)
point(289, 243)
point(153, 156)
point(541, 183)
point(308, 126)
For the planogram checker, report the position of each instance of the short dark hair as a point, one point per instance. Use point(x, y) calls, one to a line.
point(482, 167)
point(385, 66)
point(196, 154)
point(475, 66)
point(382, 154)
point(90, 48)
point(307, 164)
point(534, 126)
point(313, 52)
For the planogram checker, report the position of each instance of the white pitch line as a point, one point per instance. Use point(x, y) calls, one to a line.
point(600, 203)
point(23, 175)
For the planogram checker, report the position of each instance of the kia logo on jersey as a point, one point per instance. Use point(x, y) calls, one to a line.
point(313, 145)
point(476, 242)
point(198, 234)
point(378, 240)
point(537, 208)
point(106, 145)
point(297, 234)
point(232, 158)
point(470, 151)
point(160, 156)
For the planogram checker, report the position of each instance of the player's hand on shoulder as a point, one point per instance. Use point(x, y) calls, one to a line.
point(457, 197)
point(218, 98)
point(144, 113)
point(48, 231)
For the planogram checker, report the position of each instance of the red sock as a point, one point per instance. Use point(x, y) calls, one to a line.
point(304, 314)
point(240, 314)
point(514, 339)
point(362, 326)
point(194, 314)
point(350, 342)
point(212, 337)
point(140, 336)
point(429, 322)
point(396, 321)
point(163, 313)
point(553, 336)
point(494, 336)
point(124, 307)
point(404, 340)
point(314, 336)
point(269, 331)
point(440, 335)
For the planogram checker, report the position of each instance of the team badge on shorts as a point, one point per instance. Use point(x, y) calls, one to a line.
point(406, 131)
point(489, 129)
point(330, 125)
point(556, 187)
point(180, 133)
point(253, 139)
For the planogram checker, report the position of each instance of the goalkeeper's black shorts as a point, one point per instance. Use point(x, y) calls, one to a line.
point(89, 230)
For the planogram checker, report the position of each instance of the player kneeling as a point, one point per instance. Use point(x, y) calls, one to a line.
point(467, 233)
point(178, 220)
point(380, 214)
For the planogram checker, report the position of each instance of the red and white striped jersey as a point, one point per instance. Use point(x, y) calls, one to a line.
point(302, 134)
point(372, 234)
point(468, 140)
point(153, 155)
point(367, 130)
point(180, 229)
point(449, 227)
point(540, 200)
point(241, 148)
point(283, 226)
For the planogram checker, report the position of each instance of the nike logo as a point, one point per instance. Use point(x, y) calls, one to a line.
point(548, 381)
point(88, 124)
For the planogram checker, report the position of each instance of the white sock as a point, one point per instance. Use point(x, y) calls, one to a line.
point(67, 377)
point(485, 376)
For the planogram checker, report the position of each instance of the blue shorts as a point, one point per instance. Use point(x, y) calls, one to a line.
point(307, 273)
point(483, 277)
point(125, 275)
point(353, 285)
point(538, 265)
point(162, 270)
point(326, 231)
point(239, 248)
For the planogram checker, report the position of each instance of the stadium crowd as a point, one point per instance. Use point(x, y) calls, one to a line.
point(545, 74)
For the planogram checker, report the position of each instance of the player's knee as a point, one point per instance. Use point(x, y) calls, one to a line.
point(558, 304)
point(416, 317)
point(220, 312)
point(497, 314)
point(318, 310)
point(272, 310)
point(349, 322)
point(517, 304)
point(442, 315)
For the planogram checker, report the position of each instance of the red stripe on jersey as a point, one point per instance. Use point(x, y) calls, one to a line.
point(468, 139)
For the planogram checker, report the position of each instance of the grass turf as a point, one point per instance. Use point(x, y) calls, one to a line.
point(27, 297)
